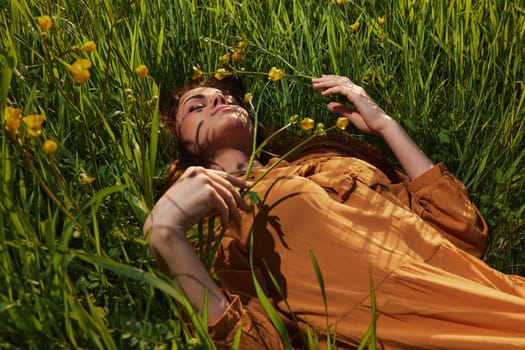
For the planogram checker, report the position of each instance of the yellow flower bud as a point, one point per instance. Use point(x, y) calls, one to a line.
point(237, 55)
point(80, 70)
point(220, 73)
point(275, 74)
point(248, 97)
point(89, 46)
point(242, 44)
point(86, 180)
point(293, 119)
point(307, 123)
point(319, 130)
point(34, 124)
point(142, 71)
point(49, 147)
point(225, 58)
point(342, 123)
point(44, 22)
point(355, 27)
point(197, 73)
point(12, 118)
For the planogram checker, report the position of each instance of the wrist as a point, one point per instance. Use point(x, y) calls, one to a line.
point(389, 127)
point(164, 234)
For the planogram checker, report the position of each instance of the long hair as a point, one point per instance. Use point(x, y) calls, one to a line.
point(233, 85)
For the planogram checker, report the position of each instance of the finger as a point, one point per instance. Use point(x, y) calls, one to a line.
point(229, 200)
point(234, 180)
point(339, 109)
point(346, 91)
point(327, 81)
point(228, 186)
point(229, 196)
point(217, 204)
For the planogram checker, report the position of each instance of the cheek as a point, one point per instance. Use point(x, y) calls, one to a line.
point(186, 133)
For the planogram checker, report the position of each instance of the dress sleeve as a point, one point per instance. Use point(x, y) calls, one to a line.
point(256, 330)
point(442, 201)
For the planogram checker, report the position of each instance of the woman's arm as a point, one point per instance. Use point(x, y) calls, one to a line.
point(370, 118)
point(197, 193)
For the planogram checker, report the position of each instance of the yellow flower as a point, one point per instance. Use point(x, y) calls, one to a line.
point(197, 73)
point(220, 73)
point(225, 58)
point(319, 130)
point(355, 27)
point(242, 44)
point(248, 97)
point(89, 46)
point(142, 71)
point(275, 74)
point(339, 2)
point(45, 22)
point(342, 123)
point(86, 180)
point(80, 70)
point(381, 20)
point(34, 124)
point(49, 147)
point(307, 123)
point(12, 118)
point(237, 55)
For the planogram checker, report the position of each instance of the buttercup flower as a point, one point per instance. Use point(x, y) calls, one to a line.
point(49, 147)
point(242, 44)
point(355, 27)
point(307, 123)
point(142, 71)
point(342, 123)
point(80, 70)
point(89, 46)
point(34, 124)
point(275, 74)
point(44, 22)
point(248, 97)
point(225, 58)
point(12, 118)
point(339, 2)
point(381, 20)
point(197, 73)
point(220, 73)
point(86, 180)
point(237, 55)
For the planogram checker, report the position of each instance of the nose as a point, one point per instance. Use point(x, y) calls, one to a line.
point(219, 98)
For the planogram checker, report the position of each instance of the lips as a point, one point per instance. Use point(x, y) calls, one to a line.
point(222, 109)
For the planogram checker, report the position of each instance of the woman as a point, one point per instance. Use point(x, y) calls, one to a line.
point(416, 237)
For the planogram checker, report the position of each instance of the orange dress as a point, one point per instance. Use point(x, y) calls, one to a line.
point(418, 241)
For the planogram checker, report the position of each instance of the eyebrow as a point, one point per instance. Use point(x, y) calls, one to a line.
point(198, 96)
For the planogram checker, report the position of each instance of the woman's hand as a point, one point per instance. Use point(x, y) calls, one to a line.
point(367, 116)
point(197, 193)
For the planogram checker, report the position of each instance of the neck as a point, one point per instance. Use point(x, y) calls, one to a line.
point(232, 161)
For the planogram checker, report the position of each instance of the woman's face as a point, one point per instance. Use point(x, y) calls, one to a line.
point(208, 121)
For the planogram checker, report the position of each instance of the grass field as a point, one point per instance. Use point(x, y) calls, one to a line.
point(75, 270)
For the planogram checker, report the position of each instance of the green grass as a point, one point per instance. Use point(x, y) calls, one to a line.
point(75, 270)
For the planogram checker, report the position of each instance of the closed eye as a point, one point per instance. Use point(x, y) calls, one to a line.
point(196, 108)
